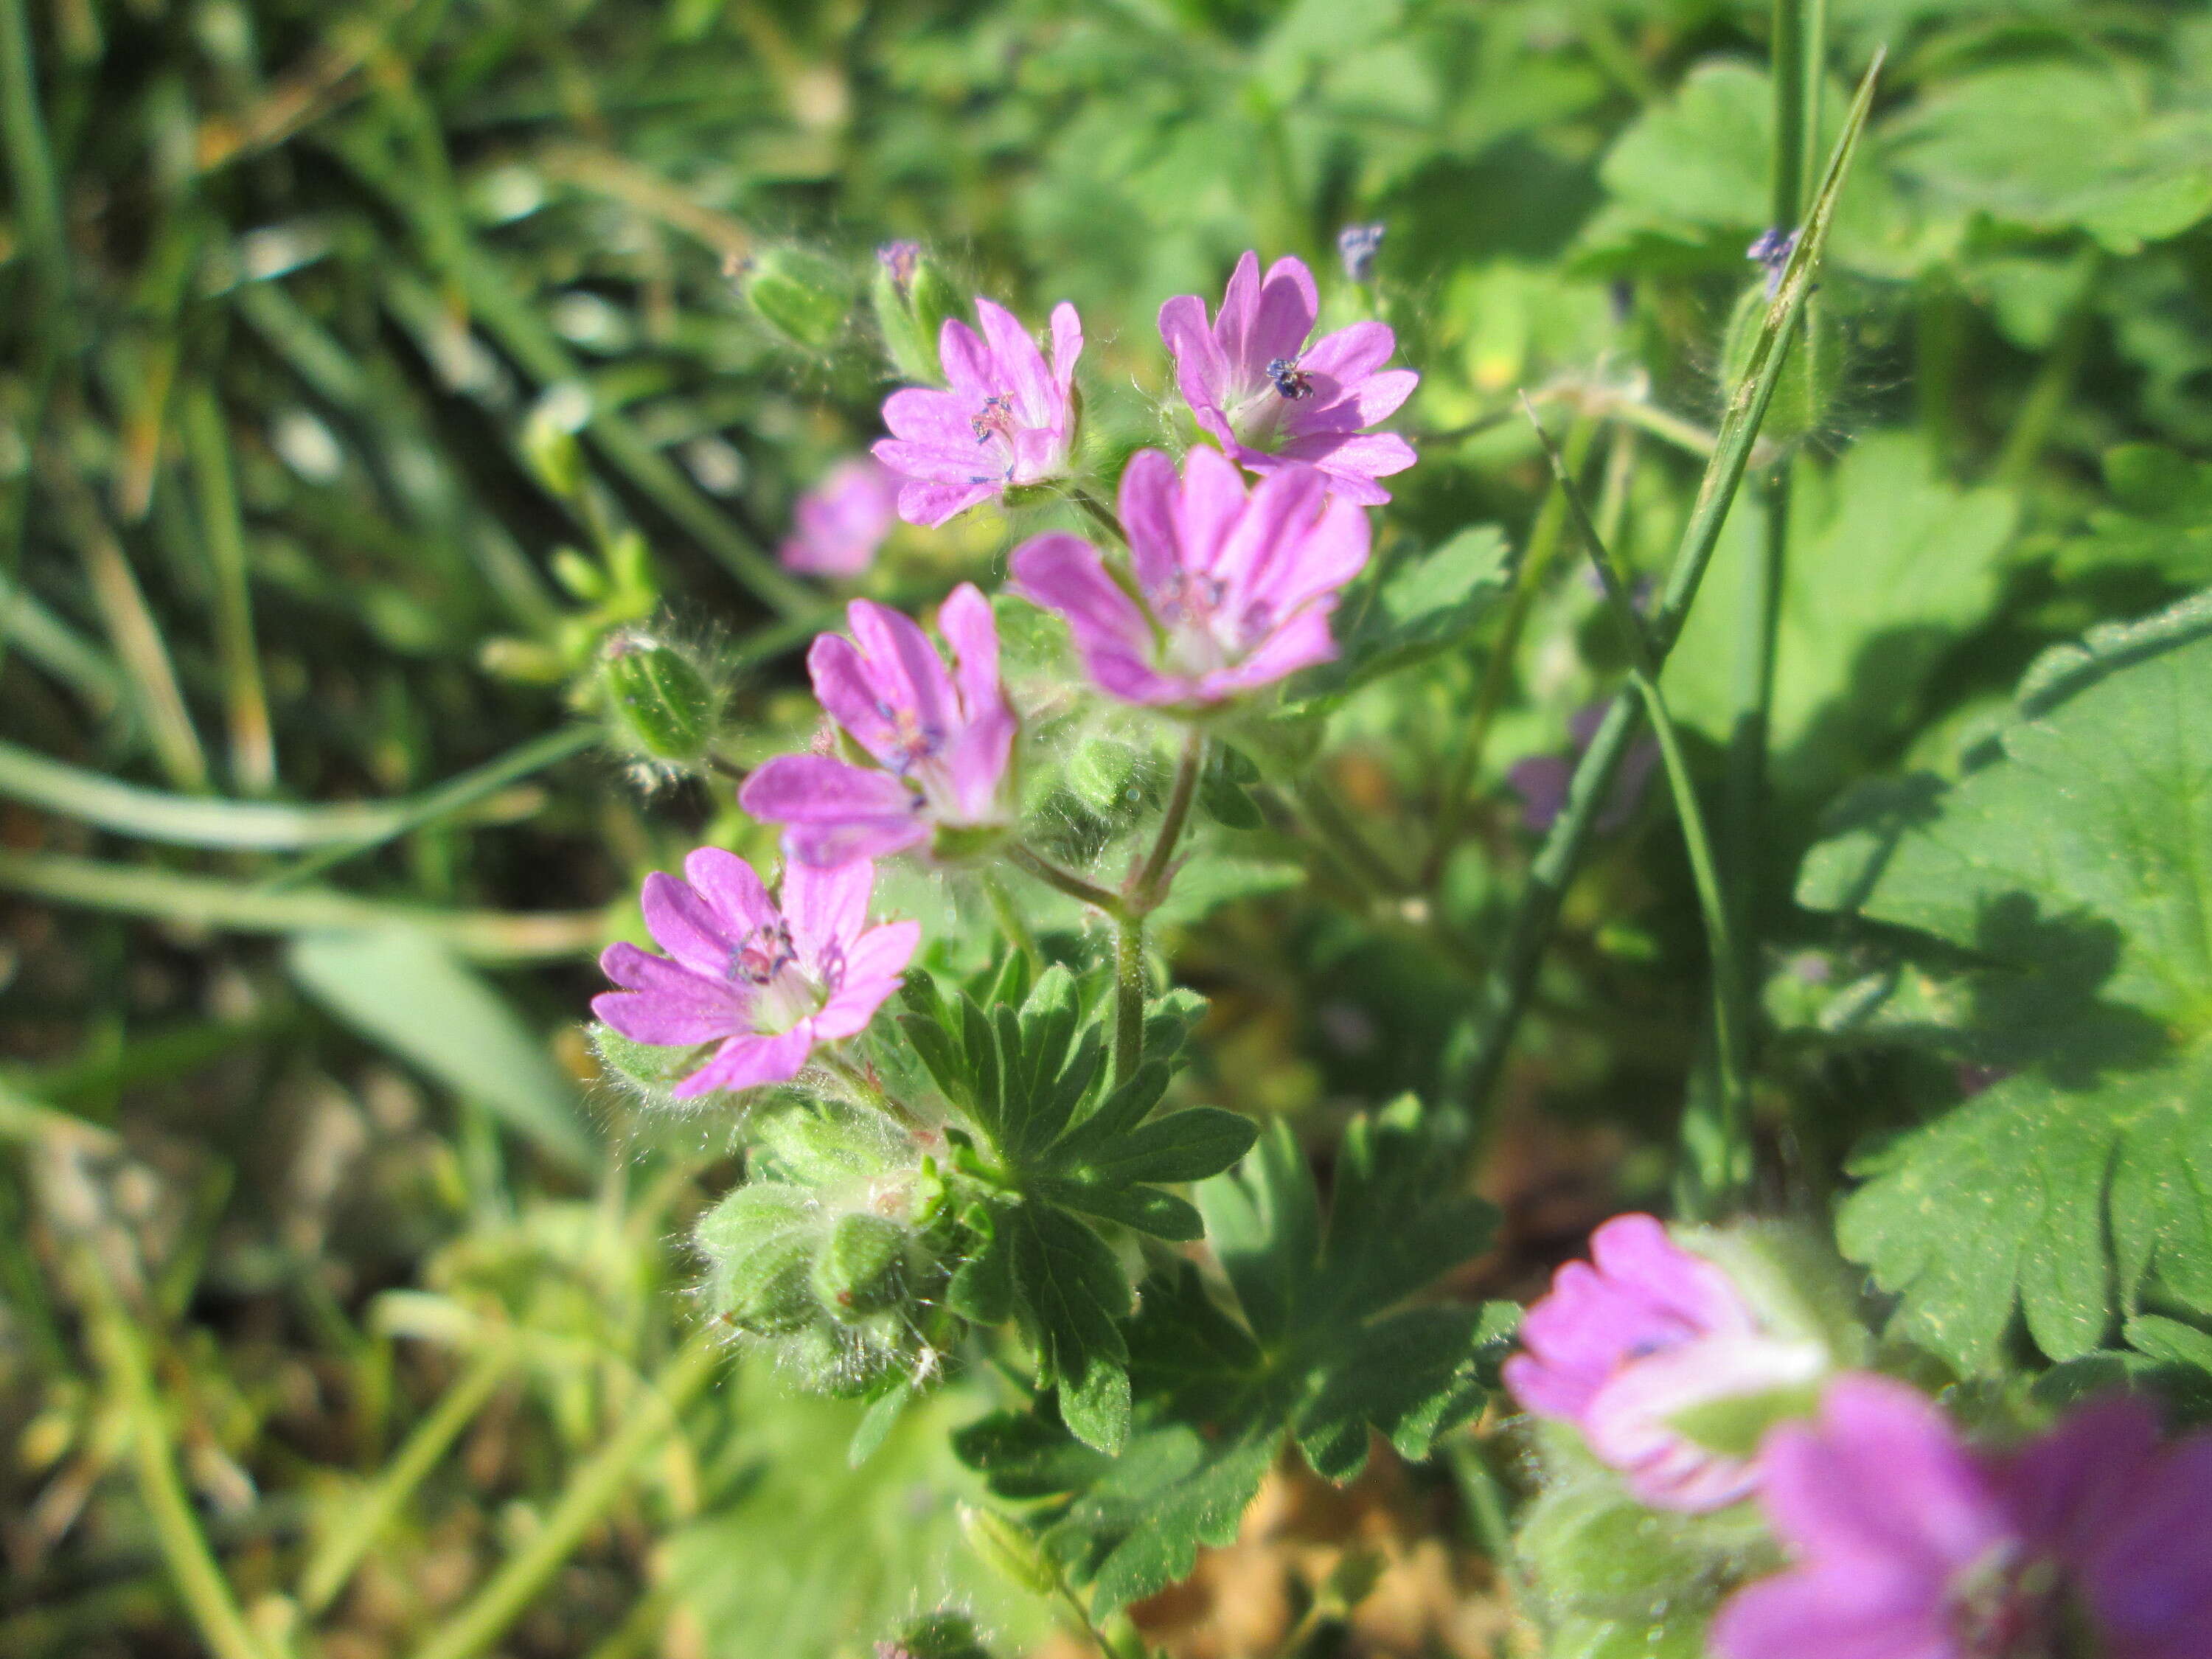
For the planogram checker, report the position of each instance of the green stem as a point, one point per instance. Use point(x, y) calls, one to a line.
point(1486, 1502)
point(1066, 881)
point(485, 936)
point(363, 1520)
point(1731, 996)
point(592, 1491)
point(1330, 824)
point(1010, 920)
point(2053, 384)
point(1128, 995)
point(1465, 765)
point(1505, 990)
point(1792, 52)
point(1103, 515)
point(198, 1578)
point(1151, 884)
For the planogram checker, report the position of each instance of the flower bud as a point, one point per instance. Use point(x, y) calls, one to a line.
point(838, 1360)
point(1008, 1548)
point(659, 700)
point(1806, 394)
point(935, 1635)
point(862, 1269)
point(912, 300)
point(803, 296)
point(760, 1242)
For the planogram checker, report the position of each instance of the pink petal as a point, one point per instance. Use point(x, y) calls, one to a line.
point(1240, 304)
point(746, 1062)
point(967, 361)
point(975, 763)
point(1628, 1423)
point(731, 886)
point(1350, 354)
point(969, 627)
point(1351, 457)
point(819, 789)
point(1148, 502)
point(1288, 304)
point(929, 504)
point(1282, 506)
point(1634, 1249)
point(1119, 674)
point(826, 909)
point(1213, 500)
point(1882, 1475)
point(1020, 365)
point(909, 676)
point(1063, 573)
point(2145, 1563)
point(1066, 345)
point(841, 840)
point(683, 924)
point(935, 420)
point(1201, 372)
point(1299, 643)
point(669, 1003)
point(845, 688)
point(1833, 1615)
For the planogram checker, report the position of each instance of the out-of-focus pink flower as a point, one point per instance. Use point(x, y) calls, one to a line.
point(1233, 591)
point(1004, 419)
point(940, 740)
point(837, 526)
point(1541, 780)
point(766, 981)
point(1909, 1542)
point(1645, 1332)
point(1271, 400)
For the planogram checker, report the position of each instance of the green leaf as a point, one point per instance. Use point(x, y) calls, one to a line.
point(1416, 609)
point(2162, 520)
point(405, 991)
point(1889, 568)
point(2060, 146)
point(1059, 1153)
point(2060, 904)
point(833, 1553)
point(1319, 1348)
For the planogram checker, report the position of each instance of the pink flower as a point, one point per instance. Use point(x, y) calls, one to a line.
point(838, 524)
point(1233, 592)
point(1006, 420)
point(767, 982)
point(1623, 1348)
point(1253, 383)
point(1910, 1543)
point(940, 740)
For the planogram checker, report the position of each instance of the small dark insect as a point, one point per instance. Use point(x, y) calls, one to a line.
point(1290, 379)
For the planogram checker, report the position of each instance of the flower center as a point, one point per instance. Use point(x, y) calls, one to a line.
point(785, 993)
point(2006, 1607)
point(1199, 633)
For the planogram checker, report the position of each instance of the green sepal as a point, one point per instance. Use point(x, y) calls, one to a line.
point(804, 296)
point(861, 1268)
point(659, 702)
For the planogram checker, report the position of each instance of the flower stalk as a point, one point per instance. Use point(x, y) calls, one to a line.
point(1504, 993)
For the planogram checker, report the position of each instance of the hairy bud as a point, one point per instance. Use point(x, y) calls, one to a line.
point(760, 1242)
point(862, 1269)
point(659, 700)
point(803, 296)
point(935, 1635)
point(912, 299)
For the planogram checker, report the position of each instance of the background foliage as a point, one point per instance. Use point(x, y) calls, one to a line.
point(319, 1224)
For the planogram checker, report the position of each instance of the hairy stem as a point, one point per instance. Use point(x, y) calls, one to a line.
point(1505, 990)
point(1066, 881)
point(1103, 515)
point(1151, 882)
point(1009, 919)
point(1465, 765)
point(1731, 996)
point(1128, 995)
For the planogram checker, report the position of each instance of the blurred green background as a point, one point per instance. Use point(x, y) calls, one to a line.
point(326, 1259)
